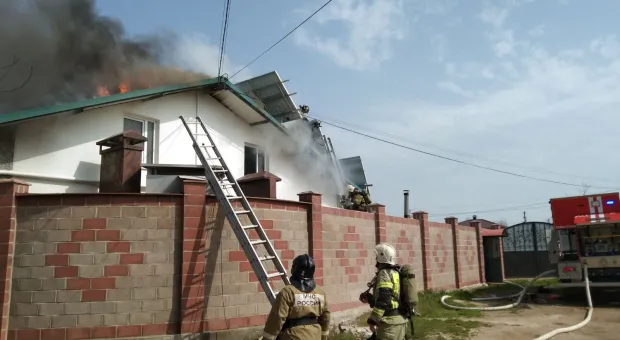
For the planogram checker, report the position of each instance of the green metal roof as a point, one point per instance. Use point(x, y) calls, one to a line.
point(135, 95)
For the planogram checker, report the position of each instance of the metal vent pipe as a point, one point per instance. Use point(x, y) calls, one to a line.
point(406, 198)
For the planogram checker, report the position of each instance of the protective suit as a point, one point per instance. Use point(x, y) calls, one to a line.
point(359, 199)
point(384, 299)
point(300, 311)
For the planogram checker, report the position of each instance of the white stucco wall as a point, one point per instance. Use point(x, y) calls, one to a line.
point(61, 149)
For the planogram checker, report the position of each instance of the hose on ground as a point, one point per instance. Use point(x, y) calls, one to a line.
point(582, 323)
point(520, 295)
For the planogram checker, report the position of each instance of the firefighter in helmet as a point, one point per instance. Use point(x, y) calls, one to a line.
point(359, 199)
point(386, 320)
point(300, 311)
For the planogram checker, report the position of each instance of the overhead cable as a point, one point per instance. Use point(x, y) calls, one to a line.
point(460, 161)
point(428, 145)
point(281, 39)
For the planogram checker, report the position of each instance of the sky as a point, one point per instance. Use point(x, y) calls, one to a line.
point(530, 87)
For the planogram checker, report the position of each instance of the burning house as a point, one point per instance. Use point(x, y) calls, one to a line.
point(88, 81)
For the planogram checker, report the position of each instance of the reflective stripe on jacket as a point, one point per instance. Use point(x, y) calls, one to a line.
point(386, 293)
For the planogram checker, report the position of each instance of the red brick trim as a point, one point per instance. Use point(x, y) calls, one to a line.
point(480, 248)
point(458, 273)
point(192, 259)
point(425, 237)
point(380, 223)
point(8, 190)
point(501, 256)
point(315, 231)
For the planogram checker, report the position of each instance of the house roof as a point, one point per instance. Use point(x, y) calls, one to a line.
point(486, 224)
point(269, 91)
point(492, 232)
point(222, 92)
point(353, 171)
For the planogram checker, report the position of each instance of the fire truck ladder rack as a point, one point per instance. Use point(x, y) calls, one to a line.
point(232, 215)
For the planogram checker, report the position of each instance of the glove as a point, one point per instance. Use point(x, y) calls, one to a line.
point(364, 297)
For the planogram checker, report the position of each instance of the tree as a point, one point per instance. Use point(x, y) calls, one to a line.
point(6, 69)
point(503, 223)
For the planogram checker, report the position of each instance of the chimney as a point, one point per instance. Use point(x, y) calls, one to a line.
point(406, 198)
point(475, 217)
point(121, 162)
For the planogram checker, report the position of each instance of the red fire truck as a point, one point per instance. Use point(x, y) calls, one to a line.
point(586, 230)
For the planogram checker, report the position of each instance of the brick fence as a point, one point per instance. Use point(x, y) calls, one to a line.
point(102, 266)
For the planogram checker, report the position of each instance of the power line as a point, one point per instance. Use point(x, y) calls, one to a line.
point(223, 37)
point(462, 153)
point(460, 161)
point(519, 207)
point(284, 37)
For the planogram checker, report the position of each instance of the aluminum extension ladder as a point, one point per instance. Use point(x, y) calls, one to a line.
point(218, 186)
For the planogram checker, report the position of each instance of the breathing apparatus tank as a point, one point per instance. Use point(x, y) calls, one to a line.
point(409, 291)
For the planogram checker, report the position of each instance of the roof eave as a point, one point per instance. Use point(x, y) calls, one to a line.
point(251, 103)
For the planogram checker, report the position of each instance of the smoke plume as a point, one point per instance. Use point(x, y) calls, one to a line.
point(73, 53)
point(308, 158)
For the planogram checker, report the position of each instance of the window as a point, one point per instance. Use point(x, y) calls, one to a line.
point(148, 129)
point(255, 159)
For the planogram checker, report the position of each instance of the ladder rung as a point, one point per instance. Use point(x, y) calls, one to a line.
point(234, 197)
point(265, 258)
point(206, 146)
point(213, 159)
point(242, 212)
point(227, 184)
point(251, 226)
point(255, 242)
point(220, 171)
point(276, 274)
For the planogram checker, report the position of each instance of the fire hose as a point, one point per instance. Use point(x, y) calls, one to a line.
point(520, 296)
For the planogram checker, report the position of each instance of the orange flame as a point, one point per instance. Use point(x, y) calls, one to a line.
point(102, 91)
point(123, 88)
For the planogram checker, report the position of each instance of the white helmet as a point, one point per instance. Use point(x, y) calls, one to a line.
point(350, 188)
point(385, 253)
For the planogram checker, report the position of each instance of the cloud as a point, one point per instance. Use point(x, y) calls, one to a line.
point(537, 31)
point(438, 41)
point(195, 52)
point(494, 16)
point(608, 47)
point(363, 35)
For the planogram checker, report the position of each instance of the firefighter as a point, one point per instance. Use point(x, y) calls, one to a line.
point(300, 311)
point(359, 199)
point(386, 321)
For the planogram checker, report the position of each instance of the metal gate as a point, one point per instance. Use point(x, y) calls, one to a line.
point(525, 249)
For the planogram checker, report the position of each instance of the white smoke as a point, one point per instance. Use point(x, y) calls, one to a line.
point(307, 158)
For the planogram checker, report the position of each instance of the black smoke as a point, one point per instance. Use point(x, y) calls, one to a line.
point(72, 51)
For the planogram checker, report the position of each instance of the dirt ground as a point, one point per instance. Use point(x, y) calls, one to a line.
point(532, 320)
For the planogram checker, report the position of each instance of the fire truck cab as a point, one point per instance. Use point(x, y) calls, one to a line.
point(586, 230)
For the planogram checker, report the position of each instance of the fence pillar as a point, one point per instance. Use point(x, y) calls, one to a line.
point(501, 256)
point(8, 215)
point(425, 238)
point(480, 248)
point(458, 274)
point(315, 231)
point(380, 222)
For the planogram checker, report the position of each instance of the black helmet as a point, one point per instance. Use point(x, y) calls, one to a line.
point(302, 273)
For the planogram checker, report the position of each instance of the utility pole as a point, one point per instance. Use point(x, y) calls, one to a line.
point(524, 217)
